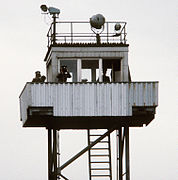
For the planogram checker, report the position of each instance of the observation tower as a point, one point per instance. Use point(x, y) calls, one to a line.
point(88, 87)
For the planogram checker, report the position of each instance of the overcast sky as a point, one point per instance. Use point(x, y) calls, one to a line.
point(152, 31)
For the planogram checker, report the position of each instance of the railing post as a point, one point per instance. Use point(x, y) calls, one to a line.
point(54, 29)
point(71, 28)
point(107, 25)
point(124, 33)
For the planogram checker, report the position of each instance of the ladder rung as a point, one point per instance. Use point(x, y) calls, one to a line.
point(95, 155)
point(100, 142)
point(100, 168)
point(99, 157)
point(101, 175)
point(99, 148)
point(100, 162)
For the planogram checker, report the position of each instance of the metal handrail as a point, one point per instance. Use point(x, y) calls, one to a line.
point(73, 36)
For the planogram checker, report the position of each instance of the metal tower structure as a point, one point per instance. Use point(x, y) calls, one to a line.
point(88, 87)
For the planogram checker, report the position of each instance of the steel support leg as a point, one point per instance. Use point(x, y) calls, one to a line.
point(127, 153)
point(52, 155)
point(88, 131)
point(117, 151)
point(49, 154)
point(120, 153)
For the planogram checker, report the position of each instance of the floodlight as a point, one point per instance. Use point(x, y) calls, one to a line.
point(44, 8)
point(97, 25)
point(97, 21)
point(53, 10)
point(117, 27)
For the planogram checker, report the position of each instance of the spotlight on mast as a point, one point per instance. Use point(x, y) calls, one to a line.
point(97, 25)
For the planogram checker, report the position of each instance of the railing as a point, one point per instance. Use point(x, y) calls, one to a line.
point(80, 32)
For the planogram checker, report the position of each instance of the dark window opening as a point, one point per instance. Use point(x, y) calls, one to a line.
point(71, 66)
point(112, 67)
point(90, 70)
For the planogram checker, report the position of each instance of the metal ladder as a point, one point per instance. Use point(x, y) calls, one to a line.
point(99, 156)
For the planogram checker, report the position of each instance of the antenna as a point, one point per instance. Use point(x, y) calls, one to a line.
point(97, 25)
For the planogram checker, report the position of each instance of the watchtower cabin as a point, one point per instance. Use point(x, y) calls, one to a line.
point(89, 87)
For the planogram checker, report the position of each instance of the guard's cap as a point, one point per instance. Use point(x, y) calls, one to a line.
point(37, 72)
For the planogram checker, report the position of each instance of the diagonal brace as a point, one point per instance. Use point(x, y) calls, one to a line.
point(63, 177)
point(84, 150)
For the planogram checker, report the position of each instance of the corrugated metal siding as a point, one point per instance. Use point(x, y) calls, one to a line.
point(143, 94)
point(91, 99)
point(25, 102)
point(89, 52)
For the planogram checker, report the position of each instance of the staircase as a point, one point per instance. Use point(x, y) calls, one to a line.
point(99, 156)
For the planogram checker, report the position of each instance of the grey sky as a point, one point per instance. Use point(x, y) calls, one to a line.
point(152, 31)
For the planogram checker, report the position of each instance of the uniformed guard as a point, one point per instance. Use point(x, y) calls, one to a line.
point(63, 75)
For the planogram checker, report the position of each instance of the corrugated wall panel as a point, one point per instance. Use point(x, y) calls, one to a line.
point(90, 99)
point(119, 101)
point(143, 94)
point(156, 93)
point(25, 101)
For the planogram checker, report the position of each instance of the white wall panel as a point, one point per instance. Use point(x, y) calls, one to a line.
point(89, 99)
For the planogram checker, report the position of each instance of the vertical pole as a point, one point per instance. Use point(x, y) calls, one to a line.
point(107, 32)
point(117, 149)
point(98, 39)
point(71, 29)
point(55, 153)
point(113, 74)
point(58, 149)
point(124, 34)
point(79, 70)
point(100, 70)
point(127, 154)
point(110, 164)
point(120, 153)
point(54, 29)
point(93, 72)
point(89, 155)
point(49, 154)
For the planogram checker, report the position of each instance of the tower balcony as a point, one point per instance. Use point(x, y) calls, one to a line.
point(88, 105)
